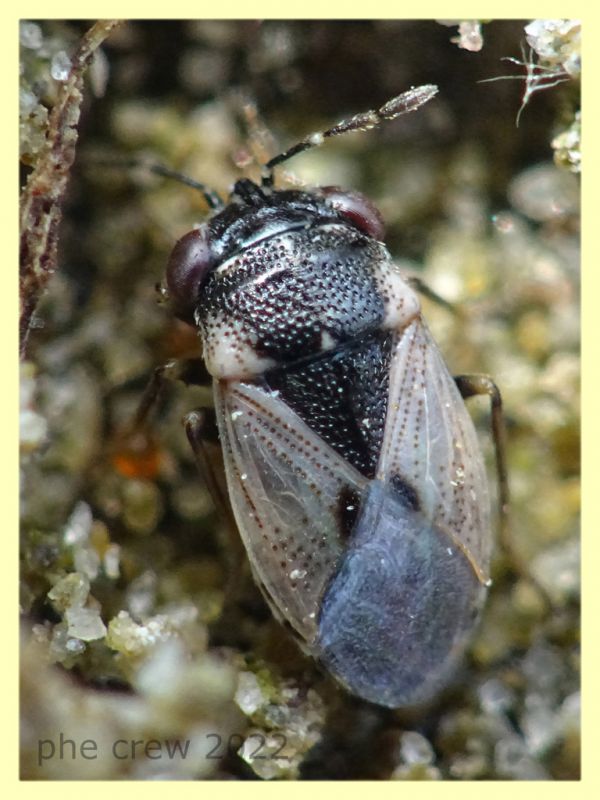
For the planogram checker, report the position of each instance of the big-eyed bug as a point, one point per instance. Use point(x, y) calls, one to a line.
point(352, 465)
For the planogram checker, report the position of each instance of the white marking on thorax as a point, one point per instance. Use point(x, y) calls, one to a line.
point(229, 351)
point(400, 302)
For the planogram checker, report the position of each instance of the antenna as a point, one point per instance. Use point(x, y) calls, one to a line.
point(212, 199)
point(402, 104)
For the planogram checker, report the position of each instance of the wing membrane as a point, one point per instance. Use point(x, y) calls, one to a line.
point(430, 443)
point(286, 486)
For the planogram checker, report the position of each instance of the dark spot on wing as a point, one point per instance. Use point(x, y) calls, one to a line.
point(407, 494)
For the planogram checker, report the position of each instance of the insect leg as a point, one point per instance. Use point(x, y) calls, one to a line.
point(200, 425)
point(201, 429)
point(468, 386)
point(202, 432)
point(191, 371)
point(134, 450)
point(420, 286)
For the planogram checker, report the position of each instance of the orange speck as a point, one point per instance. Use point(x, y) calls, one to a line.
point(137, 456)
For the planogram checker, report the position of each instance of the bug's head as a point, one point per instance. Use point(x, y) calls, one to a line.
point(254, 215)
point(277, 275)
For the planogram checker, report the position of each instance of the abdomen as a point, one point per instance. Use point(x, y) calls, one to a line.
point(397, 614)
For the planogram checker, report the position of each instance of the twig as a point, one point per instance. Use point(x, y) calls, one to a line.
point(40, 207)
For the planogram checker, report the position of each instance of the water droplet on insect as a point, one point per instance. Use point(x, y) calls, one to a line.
point(459, 477)
point(296, 574)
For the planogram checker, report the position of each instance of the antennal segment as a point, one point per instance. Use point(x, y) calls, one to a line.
point(402, 104)
point(212, 199)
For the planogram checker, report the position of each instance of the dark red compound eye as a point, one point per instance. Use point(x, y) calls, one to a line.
point(358, 209)
point(188, 266)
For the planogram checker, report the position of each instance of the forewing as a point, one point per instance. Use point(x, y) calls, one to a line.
point(288, 489)
point(431, 448)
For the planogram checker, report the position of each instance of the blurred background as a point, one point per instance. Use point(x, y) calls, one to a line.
point(140, 618)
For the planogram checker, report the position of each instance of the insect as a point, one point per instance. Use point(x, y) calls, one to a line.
point(352, 465)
